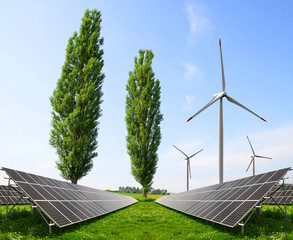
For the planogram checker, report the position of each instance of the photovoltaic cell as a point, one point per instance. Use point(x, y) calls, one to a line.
point(80, 214)
point(220, 216)
point(31, 191)
point(249, 192)
point(14, 175)
point(238, 213)
point(226, 203)
point(275, 177)
point(47, 195)
point(26, 177)
point(221, 206)
point(65, 203)
point(262, 191)
point(264, 178)
point(82, 209)
point(66, 212)
point(53, 213)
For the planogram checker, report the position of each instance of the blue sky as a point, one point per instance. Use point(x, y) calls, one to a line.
point(257, 52)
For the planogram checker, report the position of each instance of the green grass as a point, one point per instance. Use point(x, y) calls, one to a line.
point(146, 220)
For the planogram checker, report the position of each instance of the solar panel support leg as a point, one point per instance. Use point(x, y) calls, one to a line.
point(7, 198)
point(277, 204)
point(50, 224)
point(242, 227)
point(12, 207)
point(8, 194)
point(242, 224)
point(285, 198)
point(259, 209)
point(50, 228)
point(33, 207)
point(283, 185)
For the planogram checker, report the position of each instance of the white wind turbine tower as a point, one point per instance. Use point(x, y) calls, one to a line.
point(253, 158)
point(216, 97)
point(188, 164)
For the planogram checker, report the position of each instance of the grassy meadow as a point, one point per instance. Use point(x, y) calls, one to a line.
point(146, 220)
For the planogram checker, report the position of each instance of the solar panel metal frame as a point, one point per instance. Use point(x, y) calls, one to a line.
point(235, 199)
point(14, 197)
point(65, 203)
point(281, 195)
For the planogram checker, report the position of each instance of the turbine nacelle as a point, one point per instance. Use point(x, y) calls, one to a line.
point(219, 95)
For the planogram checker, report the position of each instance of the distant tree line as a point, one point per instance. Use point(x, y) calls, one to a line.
point(139, 190)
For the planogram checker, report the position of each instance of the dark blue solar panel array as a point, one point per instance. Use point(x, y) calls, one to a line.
point(13, 198)
point(65, 203)
point(281, 197)
point(227, 203)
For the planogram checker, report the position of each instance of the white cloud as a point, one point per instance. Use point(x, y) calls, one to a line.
point(192, 71)
point(188, 103)
point(199, 24)
point(189, 99)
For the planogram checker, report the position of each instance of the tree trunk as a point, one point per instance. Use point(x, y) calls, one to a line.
point(74, 178)
point(144, 193)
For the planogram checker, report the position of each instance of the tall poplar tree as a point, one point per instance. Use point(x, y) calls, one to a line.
point(143, 120)
point(76, 100)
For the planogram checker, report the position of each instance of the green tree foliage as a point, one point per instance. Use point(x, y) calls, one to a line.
point(143, 120)
point(76, 100)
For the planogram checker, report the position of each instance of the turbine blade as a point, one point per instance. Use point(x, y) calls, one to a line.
point(240, 105)
point(215, 98)
point(222, 66)
point(195, 153)
point(250, 146)
point(262, 157)
point(249, 164)
point(180, 151)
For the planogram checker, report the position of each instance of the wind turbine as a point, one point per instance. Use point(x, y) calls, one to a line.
point(216, 97)
point(253, 158)
point(188, 164)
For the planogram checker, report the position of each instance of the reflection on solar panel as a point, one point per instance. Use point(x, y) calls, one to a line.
point(14, 196)
point(279, 196)
point(227, 203)
point(65, 203)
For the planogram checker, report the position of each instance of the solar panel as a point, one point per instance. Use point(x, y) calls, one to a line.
point(65, 203)
point(279, 195)
point(227, 203)
point(14, 196)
